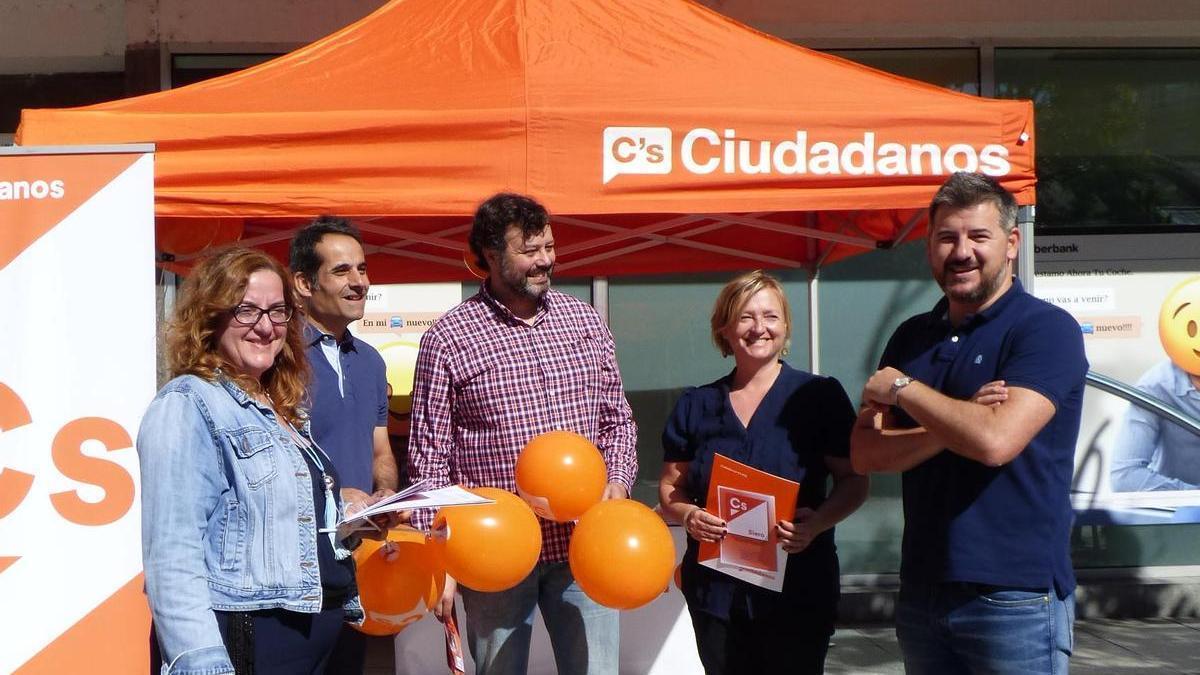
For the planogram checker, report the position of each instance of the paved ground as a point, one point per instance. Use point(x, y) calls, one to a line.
point(1102, 646)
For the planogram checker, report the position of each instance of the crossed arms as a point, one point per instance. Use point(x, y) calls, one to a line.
point(992, 428)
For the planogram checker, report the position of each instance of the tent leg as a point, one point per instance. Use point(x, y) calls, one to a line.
point(600, 297)
point(1025, 217)
point(165, 291)
point(814, 323)
point(170, 285)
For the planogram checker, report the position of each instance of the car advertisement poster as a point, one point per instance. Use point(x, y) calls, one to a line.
point(1137, 300)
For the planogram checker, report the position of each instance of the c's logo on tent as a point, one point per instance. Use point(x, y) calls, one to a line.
point(638, 150)
point(771, 156)
point(66, 450)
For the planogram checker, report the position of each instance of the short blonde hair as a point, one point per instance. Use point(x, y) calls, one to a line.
point(733, 298)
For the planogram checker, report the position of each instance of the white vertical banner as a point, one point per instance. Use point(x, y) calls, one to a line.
point(76, 373)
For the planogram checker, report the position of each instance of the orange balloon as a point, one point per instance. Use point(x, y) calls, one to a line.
point(396, 587)
point(488, 547)
point(472, 266)
point(561, 474)
point(679, 576)
point(622, 554)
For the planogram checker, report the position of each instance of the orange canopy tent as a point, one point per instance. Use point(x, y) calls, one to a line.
point(663, 137)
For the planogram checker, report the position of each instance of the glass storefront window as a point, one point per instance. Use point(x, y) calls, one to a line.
point(191, 68)
point(1117, 146)
point(956, 69)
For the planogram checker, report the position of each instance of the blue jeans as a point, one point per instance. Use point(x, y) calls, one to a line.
point(952, 628)
point(585, 636)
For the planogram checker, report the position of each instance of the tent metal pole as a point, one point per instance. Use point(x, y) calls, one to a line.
point(165, 291)
point(1025, 218)
point(600, 297)
point(908, 227)
point(813, 232)
point(170, 286)
point(682, 241)
point(814, 322)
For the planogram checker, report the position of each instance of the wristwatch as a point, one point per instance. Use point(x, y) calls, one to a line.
point(900, 383)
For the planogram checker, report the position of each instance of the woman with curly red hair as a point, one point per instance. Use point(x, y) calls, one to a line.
point(244, 568)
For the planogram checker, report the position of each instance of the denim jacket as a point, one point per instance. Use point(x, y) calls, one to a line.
point(227, 519)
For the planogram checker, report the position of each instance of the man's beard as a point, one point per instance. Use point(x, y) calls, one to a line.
point(985, 289)
point(522, 284)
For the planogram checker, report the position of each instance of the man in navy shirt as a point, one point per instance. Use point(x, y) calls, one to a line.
point(348, 394)
point(978, 404)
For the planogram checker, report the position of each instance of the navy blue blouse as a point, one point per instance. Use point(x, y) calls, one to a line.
point(803, 419)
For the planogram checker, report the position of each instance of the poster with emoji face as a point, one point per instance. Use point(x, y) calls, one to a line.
point(1137, 300)
point(1179, 325)
point(395, 318)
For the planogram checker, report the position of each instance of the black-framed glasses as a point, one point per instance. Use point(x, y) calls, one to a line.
point(249, 315)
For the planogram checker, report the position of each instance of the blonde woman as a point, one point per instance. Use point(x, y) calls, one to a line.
point(781, 420)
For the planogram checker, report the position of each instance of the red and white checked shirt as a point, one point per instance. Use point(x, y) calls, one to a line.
point(486, 382)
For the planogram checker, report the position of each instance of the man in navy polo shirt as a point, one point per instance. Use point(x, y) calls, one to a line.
point(348, 393)
point(978, 403)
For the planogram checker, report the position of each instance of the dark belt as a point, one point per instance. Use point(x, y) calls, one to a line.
point(988, 589)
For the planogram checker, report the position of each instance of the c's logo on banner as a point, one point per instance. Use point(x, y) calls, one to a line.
point(66, 452)
point(14, 485)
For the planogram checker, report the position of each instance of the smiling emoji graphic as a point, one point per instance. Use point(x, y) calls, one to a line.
point(1179, 325)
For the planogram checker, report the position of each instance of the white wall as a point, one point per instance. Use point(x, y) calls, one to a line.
point(241, 21)
point(933, 22)
point(52, 36)
point(59, 36)
point(45, 36)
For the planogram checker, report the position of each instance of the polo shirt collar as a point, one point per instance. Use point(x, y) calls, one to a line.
point(543, 306)
point(1003, 301)
point(314, 336)
point(941, 311)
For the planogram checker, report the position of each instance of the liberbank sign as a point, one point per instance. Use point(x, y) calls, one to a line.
point(642, 151)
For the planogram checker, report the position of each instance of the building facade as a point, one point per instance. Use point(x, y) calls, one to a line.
point(1116, 86)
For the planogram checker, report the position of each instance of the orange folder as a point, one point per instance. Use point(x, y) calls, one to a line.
point(750, 501)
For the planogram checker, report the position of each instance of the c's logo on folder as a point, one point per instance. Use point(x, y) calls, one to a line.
point(747, 513)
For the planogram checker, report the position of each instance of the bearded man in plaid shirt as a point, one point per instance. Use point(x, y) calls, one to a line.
point(515, 360)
